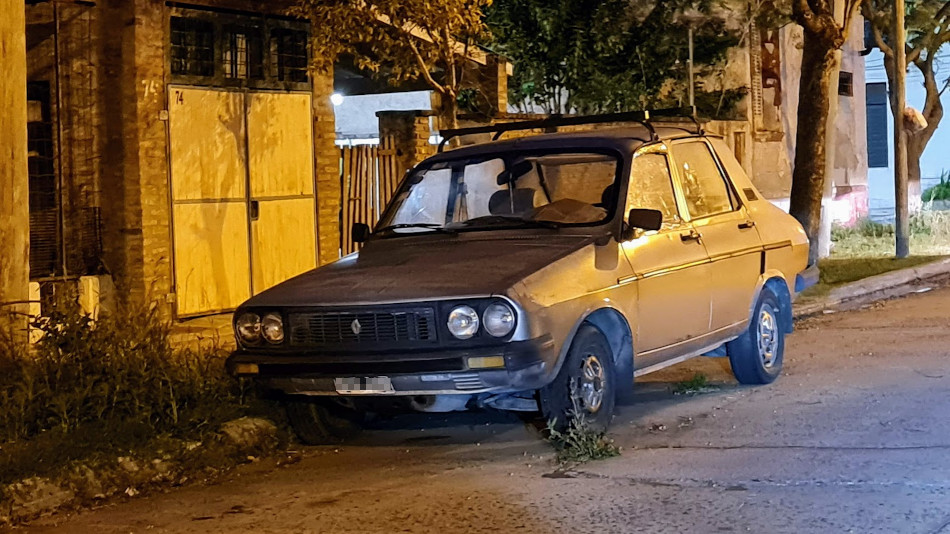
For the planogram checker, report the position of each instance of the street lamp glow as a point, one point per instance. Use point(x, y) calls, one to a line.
point(336, 99)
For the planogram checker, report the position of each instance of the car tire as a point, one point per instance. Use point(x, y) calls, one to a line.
point(756, 356)
point(322, 422)
point(586, 383)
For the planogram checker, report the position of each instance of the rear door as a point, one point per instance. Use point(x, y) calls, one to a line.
point(670, 265)
point(726, 230)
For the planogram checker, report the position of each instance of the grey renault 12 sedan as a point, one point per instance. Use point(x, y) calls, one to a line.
point(539, 274)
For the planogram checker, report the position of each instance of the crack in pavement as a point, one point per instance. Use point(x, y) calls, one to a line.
point(790, 447)
point(746, 485)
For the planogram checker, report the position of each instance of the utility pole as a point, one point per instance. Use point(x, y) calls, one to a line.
point(901, 223)
point(692, 83)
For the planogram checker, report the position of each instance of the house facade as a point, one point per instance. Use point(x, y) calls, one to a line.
point(181, 153)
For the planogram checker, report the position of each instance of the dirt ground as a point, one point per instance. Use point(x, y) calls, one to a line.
point(854, 437)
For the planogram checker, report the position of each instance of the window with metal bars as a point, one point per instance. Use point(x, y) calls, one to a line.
point(192, 47)
point(45, 236)
point(289, 55)
point(243, 53)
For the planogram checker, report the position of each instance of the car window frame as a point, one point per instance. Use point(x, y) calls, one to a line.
point(678, 199)
point(734, 199)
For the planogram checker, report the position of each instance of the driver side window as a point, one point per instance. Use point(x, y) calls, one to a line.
point(651, 187)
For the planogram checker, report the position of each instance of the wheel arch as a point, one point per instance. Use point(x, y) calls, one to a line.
point(616, 329)
point(776, 283)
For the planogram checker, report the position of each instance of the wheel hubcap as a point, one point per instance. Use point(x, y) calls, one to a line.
point(591, 384)
point(768, 335)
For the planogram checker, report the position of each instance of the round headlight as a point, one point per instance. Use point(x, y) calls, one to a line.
point(463, 322)
point(272, 328)
point(248, 327)
point(499, 319)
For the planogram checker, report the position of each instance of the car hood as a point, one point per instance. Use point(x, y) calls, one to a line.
point(423, 268)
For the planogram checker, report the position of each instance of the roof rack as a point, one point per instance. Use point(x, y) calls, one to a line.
point(644, 117)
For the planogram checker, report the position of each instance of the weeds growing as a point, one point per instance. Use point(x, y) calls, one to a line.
point(697, 384)
point(88, 388)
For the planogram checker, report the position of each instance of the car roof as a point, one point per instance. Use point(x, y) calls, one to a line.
point(623, 139)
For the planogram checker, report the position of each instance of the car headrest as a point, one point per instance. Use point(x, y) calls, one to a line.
point(514, 172)
point(516, 202)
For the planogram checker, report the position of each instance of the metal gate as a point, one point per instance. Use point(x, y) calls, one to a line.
point(369, 178)
point(242, 188)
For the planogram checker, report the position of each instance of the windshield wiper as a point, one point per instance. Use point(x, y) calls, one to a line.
point(507, 220)
point(434, 227)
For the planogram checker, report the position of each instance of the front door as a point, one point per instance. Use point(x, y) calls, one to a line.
point(670, 265)
point(728, 233)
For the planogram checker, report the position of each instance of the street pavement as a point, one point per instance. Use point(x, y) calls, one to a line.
point(854, 437)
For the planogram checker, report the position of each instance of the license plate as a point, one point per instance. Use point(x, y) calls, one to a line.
point(374, 385)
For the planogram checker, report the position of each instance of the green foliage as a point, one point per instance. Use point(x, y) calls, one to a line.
point(940, 191)
point(929, 236)
point(698, 383)
point(110, 385)
point(580, 443)
point(608, 55)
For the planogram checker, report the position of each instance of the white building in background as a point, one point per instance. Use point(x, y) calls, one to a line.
point(936, 157)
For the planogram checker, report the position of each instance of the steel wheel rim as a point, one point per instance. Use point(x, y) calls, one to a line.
point(591, 384)
point(767, 338)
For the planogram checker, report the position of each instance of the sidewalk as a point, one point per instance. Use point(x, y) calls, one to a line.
point(883, 286)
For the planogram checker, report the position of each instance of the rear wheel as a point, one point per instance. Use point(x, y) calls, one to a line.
point(756, 356)
point(585, 387)
point(322, 421)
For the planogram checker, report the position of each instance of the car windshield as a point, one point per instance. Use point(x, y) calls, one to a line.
point(511, 190)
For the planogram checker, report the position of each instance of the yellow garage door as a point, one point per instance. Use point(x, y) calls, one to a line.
point(242, 194)
point(209, 199)
point(280, 149)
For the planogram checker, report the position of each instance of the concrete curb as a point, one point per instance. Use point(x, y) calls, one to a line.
point(237, 442)
point(892, 284)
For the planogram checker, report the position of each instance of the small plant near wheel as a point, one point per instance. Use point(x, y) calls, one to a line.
point(698, 384)
point(580, 442)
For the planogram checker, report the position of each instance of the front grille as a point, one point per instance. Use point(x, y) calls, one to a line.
point(380, 329)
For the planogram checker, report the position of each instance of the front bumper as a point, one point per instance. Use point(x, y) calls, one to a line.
point(806, 278)
point(528, 365)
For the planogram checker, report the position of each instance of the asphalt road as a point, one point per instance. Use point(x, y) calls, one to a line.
point(854, 437)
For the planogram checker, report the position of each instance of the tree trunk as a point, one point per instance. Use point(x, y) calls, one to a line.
point(14, 182)
point(808, 177)
point(915, 148)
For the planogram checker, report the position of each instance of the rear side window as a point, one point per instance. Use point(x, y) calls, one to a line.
point(651, 187)
point(704, 186)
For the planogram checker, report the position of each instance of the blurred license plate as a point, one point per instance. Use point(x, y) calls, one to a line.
point(363, 385)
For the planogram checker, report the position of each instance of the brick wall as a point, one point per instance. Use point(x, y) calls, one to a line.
point(327, 168)
point(136, 231)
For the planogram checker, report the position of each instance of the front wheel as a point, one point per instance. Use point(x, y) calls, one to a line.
point(585, 387)
point(756, 355)
point(322, 421)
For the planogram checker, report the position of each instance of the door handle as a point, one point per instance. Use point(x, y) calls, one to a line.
point(746, 225)
point(693, 235)
point(255, 210)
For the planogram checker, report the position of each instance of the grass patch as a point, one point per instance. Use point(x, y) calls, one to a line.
point(940, 191)
point(698, 383)
point(90, 391)
point(835, 272)
point(929, 236)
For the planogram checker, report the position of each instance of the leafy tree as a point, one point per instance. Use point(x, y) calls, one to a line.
point(608, 55)
point(928, 29)
point(823, 37)
point(400, 39)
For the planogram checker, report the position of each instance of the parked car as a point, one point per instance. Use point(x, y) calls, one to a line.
point(539, 274)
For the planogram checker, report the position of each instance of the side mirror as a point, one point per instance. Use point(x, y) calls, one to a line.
point(643, 219)
point(360, 232)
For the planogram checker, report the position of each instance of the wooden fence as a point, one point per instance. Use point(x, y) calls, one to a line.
point(369, 177)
